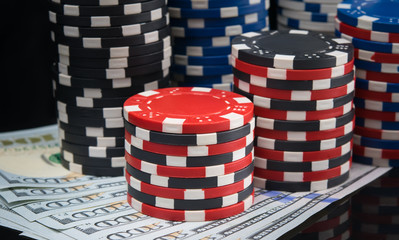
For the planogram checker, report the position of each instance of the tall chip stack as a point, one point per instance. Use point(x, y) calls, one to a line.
point(313, 15)
point(105, 52)
point(202, 31)
point(189, 153)
point(373, 28)
point(375, 209)
point(336, 225)
point(302, 86)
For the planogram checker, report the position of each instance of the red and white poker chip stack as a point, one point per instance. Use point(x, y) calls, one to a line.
point(302, 86)
point(189, 153)
point(373, 28)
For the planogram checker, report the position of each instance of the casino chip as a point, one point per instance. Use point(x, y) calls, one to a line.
point(312, 15)
point(202, 32)
point(104, 52)
point(189, 153)
point(302, 86)
point(372, 27)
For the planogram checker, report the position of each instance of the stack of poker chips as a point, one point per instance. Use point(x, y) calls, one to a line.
point(375, 209)
point(302, 86)
point(106, 51)
point(202, 31)
point(189, 153)
point(337, 224)
point(313, 15)
point(373, 29)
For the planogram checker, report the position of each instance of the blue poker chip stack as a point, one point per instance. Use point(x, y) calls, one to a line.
point(105, 52)
point(375, 209)
point(336, 225)
point(313, 15)
point(302, 86)
point(202, 31)
point(373, 28)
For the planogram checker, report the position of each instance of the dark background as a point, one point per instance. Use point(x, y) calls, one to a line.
point(26, 89)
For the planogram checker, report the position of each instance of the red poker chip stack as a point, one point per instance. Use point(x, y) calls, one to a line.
point(302, 87)
point(189, 153)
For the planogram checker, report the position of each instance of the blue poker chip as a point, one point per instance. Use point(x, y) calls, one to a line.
point(380, 162)
point(191, 60)
point(370, 45)
point(377, 67)
point(228, 78)
point(376, 15)
point(201, 51)
point(199, 70)
point(227, 12)
point(219, 22)
point(205, 4)
point(375, 142)
point(204, 41)
point(231, 30)
point(308, 16)
point(377, 86)
point(376, 124)
point(376, 105)
point(306, 25)
point(308, 7)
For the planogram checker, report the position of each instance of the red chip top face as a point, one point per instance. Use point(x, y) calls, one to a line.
point(188, 110)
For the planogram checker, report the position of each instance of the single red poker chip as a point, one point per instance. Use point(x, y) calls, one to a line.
point(189, 172)
point(178, 193)
point(188, 110)
point(375, 152)
point(366, 34)
point(191, 215)
point(377, 115)
point(175, 150)
point(378, 96)
point(379, 57)
point(302, 176)
point(290, 156)
point(294, 95)
point(289, 74)
point(377, 133)
point(377, 76)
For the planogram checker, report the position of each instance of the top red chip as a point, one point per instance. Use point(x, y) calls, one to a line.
point(188, 110)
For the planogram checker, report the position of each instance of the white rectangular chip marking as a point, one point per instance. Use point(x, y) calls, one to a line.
point(173, 125)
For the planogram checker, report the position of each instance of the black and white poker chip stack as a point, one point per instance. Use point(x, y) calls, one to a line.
point(313, 15)
point(105, 51)
point(202, 31)
point(302, 86)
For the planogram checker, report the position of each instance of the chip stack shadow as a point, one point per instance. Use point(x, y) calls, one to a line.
point(201, 36)
point(302, 86)
point(105, 52)
point(375, 209)
point(335, 225)
point(189, 153)
point(373, 29)
point(313, 15)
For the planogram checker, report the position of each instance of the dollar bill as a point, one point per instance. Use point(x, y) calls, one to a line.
point(36, 210)
point(28, 194)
